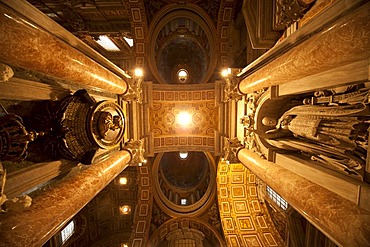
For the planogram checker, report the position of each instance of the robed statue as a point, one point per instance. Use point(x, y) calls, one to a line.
point(332, 129)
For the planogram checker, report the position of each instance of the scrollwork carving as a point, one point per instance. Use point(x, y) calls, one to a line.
point(136, 149)
point(288, 12)
point(214, 217)
point(135, 91)
point(231, 148)
point(231, 91)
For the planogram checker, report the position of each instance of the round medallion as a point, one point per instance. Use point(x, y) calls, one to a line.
point(106, 124)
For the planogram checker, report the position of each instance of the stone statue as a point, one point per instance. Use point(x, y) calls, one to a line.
point(6, 72)
point(334, 134)
point(16, 204)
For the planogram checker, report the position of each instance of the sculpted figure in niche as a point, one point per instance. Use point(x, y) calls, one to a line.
point(332, 128)
point(108, 122)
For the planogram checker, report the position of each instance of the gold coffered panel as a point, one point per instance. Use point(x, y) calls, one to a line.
point(163, 119)
point(245, 219)
point(168, 132)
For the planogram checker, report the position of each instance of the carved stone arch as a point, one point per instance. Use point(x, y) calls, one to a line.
point(186, 228)
point(198, 207)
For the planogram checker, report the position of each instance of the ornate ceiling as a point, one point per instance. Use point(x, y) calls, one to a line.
point(165, 132)
point(167, 36)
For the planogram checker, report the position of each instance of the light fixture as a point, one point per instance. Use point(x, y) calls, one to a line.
point(226, 72)
point(184, 118)
point(123, 180)
point(107, 43)
point(139, 72)
point(125, 209)
point(124, 245)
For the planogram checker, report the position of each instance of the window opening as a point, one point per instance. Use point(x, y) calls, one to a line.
point(107, 43)
point(183, 201)
point(67, 232)
point(277, 198)
point(182, 74)
point(183, 155)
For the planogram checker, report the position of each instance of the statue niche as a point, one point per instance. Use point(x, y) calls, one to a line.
point(331, 127)
point(86, 125)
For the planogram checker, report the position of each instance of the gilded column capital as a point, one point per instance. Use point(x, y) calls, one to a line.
point(136, 149)
point(231, 148)
point(135, 90)
point(288, 12)
point(231, 91)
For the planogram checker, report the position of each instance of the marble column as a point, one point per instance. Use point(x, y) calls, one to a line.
point(345, 41)
point(56, 206)
point(341, 220)
point(24, 44)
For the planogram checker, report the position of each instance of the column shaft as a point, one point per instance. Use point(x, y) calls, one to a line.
point(55, 207)
point(341, 220)
point(25, 45)
point(345, 41)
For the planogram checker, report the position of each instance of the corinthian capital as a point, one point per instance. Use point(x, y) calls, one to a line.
point(136, 149)
point(231, 148)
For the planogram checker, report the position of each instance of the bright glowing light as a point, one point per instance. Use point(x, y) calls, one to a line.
point(182, 75)
point(124, 245)
point(125, 209)
point(184, 118)
point(183, 201)
point(130, 42)
point(183, 155)
point(139, 72)
point(226, 72)
point(123, 180)
point(107, 43)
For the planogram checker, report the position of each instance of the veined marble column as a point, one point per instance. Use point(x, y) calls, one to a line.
point(344, 42)
point(50, 211)
point(341, 220)
point(25, 45)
